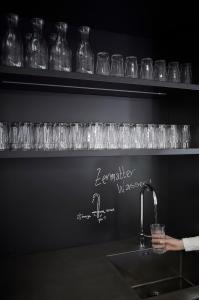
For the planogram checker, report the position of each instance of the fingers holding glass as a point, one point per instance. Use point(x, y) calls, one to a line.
point(158, 238)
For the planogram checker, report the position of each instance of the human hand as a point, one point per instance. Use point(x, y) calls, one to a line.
point(170, 243)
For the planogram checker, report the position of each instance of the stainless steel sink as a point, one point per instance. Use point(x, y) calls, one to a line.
point(152, 275)
point(161, 287)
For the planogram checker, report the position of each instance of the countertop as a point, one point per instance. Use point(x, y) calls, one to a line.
point(79, 273)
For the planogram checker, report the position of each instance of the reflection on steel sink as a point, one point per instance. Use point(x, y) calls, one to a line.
point(152, 275)
point(161, 287)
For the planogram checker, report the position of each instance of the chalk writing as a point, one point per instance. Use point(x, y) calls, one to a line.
point(99, 214)
point(119, 178)
point(81, 216)
point(121, 174)
point(124, 187)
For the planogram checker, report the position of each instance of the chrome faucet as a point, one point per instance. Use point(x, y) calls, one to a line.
point(146, 187)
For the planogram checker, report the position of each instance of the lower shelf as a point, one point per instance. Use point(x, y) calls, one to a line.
point(88, 153)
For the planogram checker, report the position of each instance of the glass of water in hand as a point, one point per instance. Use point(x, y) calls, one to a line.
point(158, 235)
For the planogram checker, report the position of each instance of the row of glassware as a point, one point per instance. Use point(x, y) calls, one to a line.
point(63, 136)
point(33, 51)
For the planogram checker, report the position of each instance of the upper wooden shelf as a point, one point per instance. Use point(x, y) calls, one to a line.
point(22, 78)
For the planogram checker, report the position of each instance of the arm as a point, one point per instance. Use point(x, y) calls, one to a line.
point(191, 244)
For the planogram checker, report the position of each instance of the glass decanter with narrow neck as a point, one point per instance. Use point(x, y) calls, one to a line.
point(37, 51)
point(60, 52)
point(85, 56)
point(12, 46)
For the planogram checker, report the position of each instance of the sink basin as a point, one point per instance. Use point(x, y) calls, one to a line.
point(152, 275)
point(161, 287)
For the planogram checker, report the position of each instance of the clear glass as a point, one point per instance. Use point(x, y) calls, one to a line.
point(87, 136)
point(131, 67)
point(117, 65)
point(145, 136)
point(69, 136)
point(161, 136)
point(4, 136)
point(60, 57)
point(146, 70)
point(99, 135)
point(12, 46)
point(91, 134)
point(111, 135)
point(123, 136)
point(186, 136)
point(126, 136)
point(48, 136)
point(85, 55)
point(160, 71)
point(186, 73)
point(36, 48)
point(152, 138)
point(26, 135)
point(173, 136)
point(55, 136)
point(61, 132)
point(103, 64)
point(132, 135)
point(96, 136)
point(140, 136)
point(64, 129)
point(14, 136)
point(127, 133)
point(38, 136)
point(158, 231)
point(120, 135)
point(173, 71)
point(106, 136)
point(77, 134)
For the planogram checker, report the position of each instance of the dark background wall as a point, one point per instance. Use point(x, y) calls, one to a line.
point(41, 198)
point(183, 196)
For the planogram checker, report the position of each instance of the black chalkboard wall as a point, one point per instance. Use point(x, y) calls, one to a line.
point(46, 203)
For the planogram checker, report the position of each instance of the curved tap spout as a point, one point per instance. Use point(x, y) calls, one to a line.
point(146, 187)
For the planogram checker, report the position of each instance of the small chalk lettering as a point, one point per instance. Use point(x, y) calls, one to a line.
point(81, 216)
point(99, 214)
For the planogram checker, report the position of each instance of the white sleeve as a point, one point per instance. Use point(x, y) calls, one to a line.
point(191, 244)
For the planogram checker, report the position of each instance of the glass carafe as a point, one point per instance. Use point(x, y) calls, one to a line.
point(36, 48)
point(12, 46)
point(60, 53)
point(85, 56)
